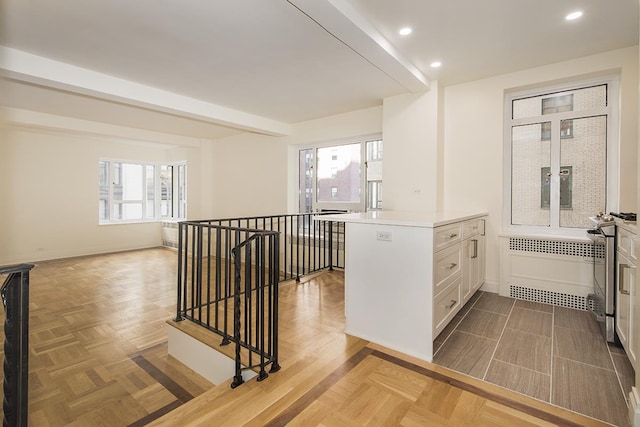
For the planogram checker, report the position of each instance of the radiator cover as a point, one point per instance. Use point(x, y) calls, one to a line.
point(563, 248)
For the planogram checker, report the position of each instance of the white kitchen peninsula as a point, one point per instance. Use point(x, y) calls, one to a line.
point(408, 273)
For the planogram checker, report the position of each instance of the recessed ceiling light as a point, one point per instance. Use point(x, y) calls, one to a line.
point(436, 64)
point(405, 31)
point(573, 15)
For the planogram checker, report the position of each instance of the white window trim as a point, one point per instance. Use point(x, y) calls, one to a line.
point(157, 217)
point(613, 144)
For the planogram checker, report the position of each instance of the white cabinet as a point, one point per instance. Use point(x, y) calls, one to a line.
point(458, 269)
point(446, 304)
point(473, 249)
point(406, 273)
point(626, 263)
point(447, 265)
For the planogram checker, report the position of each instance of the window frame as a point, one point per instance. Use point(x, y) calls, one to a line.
point(178, 204)
point(317, 206)
point(613, 142)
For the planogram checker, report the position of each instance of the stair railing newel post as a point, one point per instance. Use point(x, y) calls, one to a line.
point(260, 312)
point(181, 269)
point(15, 298)
point(331, 245)
point(273, 314)
point(237, 379)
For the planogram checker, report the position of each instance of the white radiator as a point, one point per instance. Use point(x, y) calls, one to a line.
point(549, 271)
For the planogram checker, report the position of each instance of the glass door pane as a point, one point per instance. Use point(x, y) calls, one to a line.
point(166, 191)
point(583, 171)
point(338, 173)
point(306, 180)
point(530, 179)
point(374, 175)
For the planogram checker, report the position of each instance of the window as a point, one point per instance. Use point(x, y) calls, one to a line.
point(374, 195)
point(557, 104)
point(166, 191)
point(128, 191)
point(306, 180)
point(559, 146)
point(332, 177)
point(374, 175)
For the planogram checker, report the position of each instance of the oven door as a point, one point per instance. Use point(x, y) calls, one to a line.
point(602, 300)
point(599, 263)
point(597, 299)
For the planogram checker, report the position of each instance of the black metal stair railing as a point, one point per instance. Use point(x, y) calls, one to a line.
point(229, 272)
point(15, 298)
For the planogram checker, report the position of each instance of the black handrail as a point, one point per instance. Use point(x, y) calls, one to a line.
point(15, 298)
point(229, 271)
point(308, 244)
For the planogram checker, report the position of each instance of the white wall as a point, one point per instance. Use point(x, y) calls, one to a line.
point(49, 191)
point(249, 176)
point(411, 163)
point(473, 136)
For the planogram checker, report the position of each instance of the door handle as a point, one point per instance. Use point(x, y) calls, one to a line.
point(475, 248)
point(621, 284)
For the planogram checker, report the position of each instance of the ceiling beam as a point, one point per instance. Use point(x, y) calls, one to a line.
point(33, 69)
point(343, 22)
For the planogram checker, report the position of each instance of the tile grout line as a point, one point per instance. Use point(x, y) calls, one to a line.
point(615, 369)
point(588, 364)
point(521, 367)
point(486, 371)
point(455, 328)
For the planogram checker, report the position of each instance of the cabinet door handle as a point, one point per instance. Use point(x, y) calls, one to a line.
point(450, 266)
point(453, 235)
point(621, 288)
point(475, 248)
point(453, 302)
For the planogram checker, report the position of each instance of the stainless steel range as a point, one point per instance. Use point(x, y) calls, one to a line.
point(602, 301)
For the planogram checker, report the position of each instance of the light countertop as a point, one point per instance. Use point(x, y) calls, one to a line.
point(403, 218)
point(630, 226)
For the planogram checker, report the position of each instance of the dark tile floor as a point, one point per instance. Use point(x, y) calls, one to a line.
point(554, 354)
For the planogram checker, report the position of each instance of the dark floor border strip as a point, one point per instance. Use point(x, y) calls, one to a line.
point(173, 387)
point(323, 386)
point(312, 395)
point(478, 391)
point(151, 349)
point(156, 414)
point(164, 380)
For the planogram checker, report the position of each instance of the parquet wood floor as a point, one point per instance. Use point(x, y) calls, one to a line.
point(93, 322)
point(99, 358)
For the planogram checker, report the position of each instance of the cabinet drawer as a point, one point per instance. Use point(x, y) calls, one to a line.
point(472, 227)
point(446, 305)
point(446, 265)
point(446, 236)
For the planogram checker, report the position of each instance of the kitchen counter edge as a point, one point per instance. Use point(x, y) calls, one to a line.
point(403, 218)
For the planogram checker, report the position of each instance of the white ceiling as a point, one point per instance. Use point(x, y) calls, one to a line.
point(211, 68)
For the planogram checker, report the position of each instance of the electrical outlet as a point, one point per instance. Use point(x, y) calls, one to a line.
point(384, 236)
